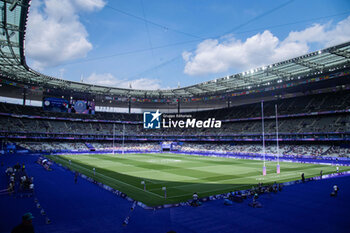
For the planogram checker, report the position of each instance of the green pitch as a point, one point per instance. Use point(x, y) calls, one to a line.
point(182, 175)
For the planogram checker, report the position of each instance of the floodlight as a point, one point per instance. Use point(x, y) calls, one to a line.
point(13, 5)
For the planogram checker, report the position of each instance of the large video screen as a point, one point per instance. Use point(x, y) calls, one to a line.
point(55, 104)
point(81, 107)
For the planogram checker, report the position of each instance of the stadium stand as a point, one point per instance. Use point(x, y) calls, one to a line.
point(321, 117)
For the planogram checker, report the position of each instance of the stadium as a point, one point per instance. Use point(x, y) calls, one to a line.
point(192, 159)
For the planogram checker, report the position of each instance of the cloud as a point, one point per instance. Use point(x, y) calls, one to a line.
point(55, 34)
point(90, 5)
point(108, 79)
point(325, 34)
point(214, 56)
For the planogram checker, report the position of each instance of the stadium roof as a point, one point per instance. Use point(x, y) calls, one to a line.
point(13, 65)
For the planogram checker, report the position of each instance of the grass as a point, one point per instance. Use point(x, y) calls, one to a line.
point(182, 175)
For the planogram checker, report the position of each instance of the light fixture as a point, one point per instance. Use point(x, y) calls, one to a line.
point(13, 5)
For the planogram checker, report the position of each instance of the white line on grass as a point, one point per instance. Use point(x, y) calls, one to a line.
point(114, 179)
point(209, 191)
point(235, 179)
point(119, 164)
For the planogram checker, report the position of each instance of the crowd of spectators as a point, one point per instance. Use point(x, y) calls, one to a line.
point(320, 126)
point(99, 146)
point(314, 124)
point(311, 102)
point(108, 146)
point(302, 104)
point(257, 149)
point(240, 196)
point(299, 104)
point(295, 150)
point(339, 151)
point(19, 181)
point(53, 146)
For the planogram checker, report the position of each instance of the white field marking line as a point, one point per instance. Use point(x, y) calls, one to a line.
point(268, 178)
point(116, 180)
point(265, 178)
point(286, 174)
point(158, 171)
point(176, 168)
point(213, 165)
point(105, 164)
point(158, 156)
point(136, 158)
point(199, 157)
point(161, 181)
point(184, 156)
point(212, 190)
point(150, 170)
point(219, 158)
point(99, 160)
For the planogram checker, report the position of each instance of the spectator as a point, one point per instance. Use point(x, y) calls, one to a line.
point(255, 197)
point(335, 191)
point(260, 187)
point(280, 186)
point(23, 179)
point(275, 187)
point(9, 171)
point(237, 197)
point(227, 202)
point(26, 226)
point(231, 195)
point(12, 178)
point(31, 188)
point(10, 188)
point(76, 177)
point(255, 203)
point(195, 199)
point(17, 167)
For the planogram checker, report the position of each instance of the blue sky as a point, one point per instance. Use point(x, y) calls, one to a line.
point(155, 44)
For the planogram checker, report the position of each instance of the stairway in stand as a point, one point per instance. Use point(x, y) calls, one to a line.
point(90, 147)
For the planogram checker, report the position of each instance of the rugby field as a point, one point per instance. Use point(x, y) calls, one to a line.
point(181, 174)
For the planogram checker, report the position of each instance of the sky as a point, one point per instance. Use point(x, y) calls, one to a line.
point(162, 44)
